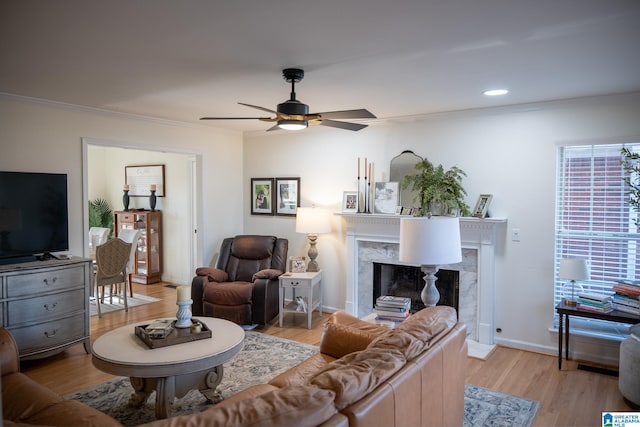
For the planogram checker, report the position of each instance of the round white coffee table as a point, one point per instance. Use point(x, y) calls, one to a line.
point(171, 371)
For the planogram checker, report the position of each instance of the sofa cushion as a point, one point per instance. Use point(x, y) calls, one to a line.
point(228, 293)
point(267, 273)
point(357, 374)
point(302, 372)
point(420, 331)
point(339, 340)
point(22, 397)
point(213, 274)
point(71, 412)
point(298, 406)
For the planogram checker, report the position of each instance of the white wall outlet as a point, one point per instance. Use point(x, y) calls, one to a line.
point(515, 234)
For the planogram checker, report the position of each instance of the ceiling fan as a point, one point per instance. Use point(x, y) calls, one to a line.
point(294, 115)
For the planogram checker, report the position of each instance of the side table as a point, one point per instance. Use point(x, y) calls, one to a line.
point(310, 283)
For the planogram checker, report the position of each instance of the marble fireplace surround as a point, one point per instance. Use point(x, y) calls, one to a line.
point(371, 237)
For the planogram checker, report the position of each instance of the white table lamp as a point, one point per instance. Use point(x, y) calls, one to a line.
point(572, 269)
point(312, 221)
point(430, 242)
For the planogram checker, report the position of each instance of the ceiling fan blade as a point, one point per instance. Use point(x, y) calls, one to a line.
point(235, 118)
point(274, 127)
point(258, 107)
point(341, 125)
point(347, 114)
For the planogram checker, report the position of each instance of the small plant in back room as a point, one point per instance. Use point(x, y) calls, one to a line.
point(101, 214)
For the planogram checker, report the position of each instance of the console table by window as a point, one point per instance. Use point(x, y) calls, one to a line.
point(565, 311)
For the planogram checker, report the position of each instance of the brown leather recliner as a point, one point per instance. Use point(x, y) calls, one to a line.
point(243, 286)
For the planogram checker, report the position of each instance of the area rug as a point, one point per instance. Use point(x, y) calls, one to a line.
point(262, 358)
point(117, 305)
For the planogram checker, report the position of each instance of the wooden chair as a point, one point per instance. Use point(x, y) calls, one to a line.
point(130, 236)
point(111, 269)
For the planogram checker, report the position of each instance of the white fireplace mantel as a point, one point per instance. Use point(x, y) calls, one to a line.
point(475, 233)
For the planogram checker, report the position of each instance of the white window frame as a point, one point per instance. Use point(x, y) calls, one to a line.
point(594, 221)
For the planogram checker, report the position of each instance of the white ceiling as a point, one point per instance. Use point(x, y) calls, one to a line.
point(184, 59)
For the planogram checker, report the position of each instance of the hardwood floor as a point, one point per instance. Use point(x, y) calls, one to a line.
point(570, 397)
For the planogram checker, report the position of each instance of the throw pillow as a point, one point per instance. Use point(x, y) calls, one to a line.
point(339, 340)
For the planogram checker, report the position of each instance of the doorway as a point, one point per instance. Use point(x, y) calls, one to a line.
point(104, 176)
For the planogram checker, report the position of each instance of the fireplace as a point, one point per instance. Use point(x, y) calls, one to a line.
point(408, 281)
point(374, 238)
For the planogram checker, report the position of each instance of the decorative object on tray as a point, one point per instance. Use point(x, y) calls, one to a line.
point(482, 206)
point(184, 307)
point(387, 197)
point(197, 331)
point(438, 192)
point(159, 328)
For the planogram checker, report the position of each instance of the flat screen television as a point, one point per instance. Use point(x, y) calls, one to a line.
point(33, 215)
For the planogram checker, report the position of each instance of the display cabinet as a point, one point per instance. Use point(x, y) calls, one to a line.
point(147, 266)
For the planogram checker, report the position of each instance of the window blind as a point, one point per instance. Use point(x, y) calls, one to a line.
point(595, 222)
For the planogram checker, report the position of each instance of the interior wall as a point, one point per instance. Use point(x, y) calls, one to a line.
point(106, 176)
point(39, 136)
point(508, 152)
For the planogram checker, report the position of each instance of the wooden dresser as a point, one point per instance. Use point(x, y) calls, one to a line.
point(45, 305)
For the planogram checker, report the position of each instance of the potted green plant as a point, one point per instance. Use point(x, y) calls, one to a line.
point(438, 192)
point(100, 214)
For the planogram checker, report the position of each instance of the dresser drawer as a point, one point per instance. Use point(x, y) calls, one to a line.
point(46, 281)
point(48, 306)
point(126, 217)
point(51, 334)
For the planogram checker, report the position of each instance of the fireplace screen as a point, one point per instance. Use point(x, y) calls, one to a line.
point(407, 281)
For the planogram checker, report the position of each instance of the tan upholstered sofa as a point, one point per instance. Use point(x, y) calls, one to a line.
point(364, 375)
point(25, 402)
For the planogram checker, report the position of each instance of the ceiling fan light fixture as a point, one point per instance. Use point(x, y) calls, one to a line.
point(495, 92)
point(292, 124)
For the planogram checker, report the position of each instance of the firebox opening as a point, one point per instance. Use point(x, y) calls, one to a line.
point(407, 281)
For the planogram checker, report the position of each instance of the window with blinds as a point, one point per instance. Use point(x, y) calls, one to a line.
point(595, 222)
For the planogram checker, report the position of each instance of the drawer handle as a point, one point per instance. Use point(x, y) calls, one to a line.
point(53, 281)
point(51, 334)
point(50, 307)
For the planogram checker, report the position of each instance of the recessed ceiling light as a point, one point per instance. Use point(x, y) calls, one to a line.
point(496, 92)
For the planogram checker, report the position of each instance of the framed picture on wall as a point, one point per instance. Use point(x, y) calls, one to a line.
point(140, 180)
point(262, 196)
point(350, 202)
point(287, 196)
point(482, 206)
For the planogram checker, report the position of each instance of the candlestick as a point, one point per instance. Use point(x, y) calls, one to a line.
point(125, 187)
point(184, 293)
point(365, 168)
point(184, 314)
point(153, 187)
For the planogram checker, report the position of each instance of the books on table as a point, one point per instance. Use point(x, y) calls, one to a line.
point(627, 297)
point(598, 303)
point(393, 308)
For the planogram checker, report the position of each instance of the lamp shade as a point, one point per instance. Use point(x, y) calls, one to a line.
point(573, 269)
point(430, 241)
point(312, 221)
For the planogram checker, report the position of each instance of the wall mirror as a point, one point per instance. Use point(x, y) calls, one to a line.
point(401, 165)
